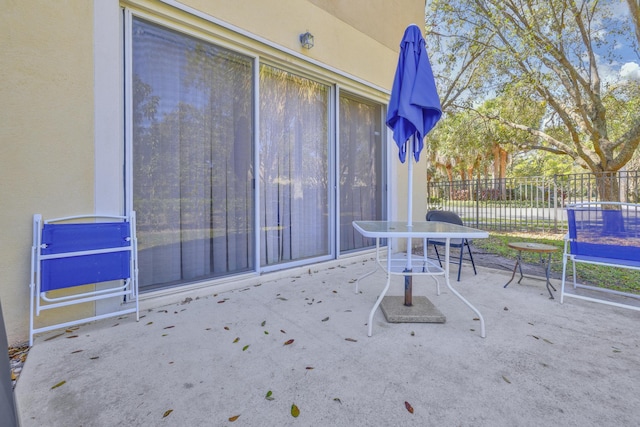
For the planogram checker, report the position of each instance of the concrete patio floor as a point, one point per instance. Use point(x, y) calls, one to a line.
point(203, 360)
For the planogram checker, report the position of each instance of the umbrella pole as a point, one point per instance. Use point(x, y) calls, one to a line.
point(408, 279)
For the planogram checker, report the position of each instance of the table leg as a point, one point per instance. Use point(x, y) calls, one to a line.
point(456, 293)
point(520, 266)
point(382, 294)
point(376, 267)
point(515, 267)
point(548, 271)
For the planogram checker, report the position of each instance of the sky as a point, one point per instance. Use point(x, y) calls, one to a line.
point(629, 66)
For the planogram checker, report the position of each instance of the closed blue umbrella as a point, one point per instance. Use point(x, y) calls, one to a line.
point(414, 109)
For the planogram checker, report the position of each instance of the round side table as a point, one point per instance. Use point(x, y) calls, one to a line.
point(539, 248)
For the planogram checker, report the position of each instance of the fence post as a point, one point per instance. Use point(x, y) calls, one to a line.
point(478, 202)
point(555, 204)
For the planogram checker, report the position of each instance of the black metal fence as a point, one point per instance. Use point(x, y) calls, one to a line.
point(529, 203)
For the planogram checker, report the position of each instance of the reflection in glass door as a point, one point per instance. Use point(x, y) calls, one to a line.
point(192, 157)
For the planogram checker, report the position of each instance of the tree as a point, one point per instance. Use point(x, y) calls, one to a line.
point(455, 146)
point(555, 50)
point(634, 11)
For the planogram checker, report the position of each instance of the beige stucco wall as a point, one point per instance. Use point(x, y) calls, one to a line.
point(378, 19)
point(46, 132)
point(47, 126)
point(358, 37)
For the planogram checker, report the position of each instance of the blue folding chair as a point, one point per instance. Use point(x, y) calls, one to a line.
point(452, 218)
point(68, 254)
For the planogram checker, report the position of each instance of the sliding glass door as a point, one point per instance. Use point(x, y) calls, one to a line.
point(361, 168)
point(192, 157)
point(213, 195)
point(294, 167)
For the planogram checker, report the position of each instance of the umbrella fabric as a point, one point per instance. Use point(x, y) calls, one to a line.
point(414, 107)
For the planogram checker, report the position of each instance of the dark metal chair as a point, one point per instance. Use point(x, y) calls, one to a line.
point(452, 218)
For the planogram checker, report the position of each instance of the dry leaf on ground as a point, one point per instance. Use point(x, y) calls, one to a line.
point(409, 407)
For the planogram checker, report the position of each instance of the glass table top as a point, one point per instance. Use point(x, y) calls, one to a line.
point(430, 229)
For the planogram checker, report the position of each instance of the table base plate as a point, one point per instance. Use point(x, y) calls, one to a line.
point(422, 310)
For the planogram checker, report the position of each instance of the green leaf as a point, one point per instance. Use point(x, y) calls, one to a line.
point(245, 347)
point(268, 396)
point(295, 411)
point(58, 385)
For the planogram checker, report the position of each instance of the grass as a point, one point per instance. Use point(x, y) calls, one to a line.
point(621, 279)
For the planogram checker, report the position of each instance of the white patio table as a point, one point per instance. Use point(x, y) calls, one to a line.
point(419, 265)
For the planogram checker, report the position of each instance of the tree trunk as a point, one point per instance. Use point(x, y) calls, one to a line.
point(496, 161)
point(470, 172)
point(449, 169)
point(500, 170)
point(503, 173)
point(608, 186)
point(609, 191)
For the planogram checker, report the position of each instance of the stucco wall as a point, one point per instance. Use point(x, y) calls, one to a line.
point(378, 19)
point(358, 37)
point(46, 132)
point(48, 87)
